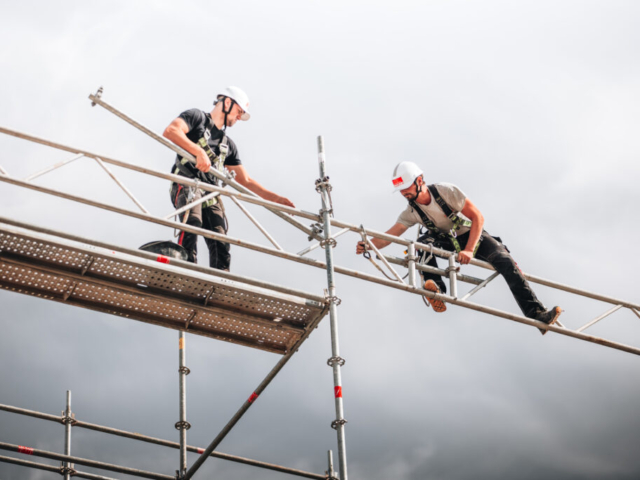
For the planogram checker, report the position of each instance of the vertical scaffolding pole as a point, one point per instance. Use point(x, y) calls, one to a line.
point(412, 263)
point(66, 466)
point(183, 425)
point(336, 362)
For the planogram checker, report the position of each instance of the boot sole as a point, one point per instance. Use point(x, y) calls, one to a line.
point(438, 305)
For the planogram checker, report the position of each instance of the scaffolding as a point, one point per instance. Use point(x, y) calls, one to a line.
point(183, 296)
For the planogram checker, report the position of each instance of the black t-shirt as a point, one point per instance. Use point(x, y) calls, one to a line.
point(197, 121)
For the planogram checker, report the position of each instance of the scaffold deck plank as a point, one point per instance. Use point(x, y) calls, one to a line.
point(133, 287)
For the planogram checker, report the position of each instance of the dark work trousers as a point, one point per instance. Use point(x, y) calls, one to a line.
point(210, 218)
point(495, 253)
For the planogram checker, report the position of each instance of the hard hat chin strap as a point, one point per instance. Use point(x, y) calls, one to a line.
point(418, 190)
point(227, 112)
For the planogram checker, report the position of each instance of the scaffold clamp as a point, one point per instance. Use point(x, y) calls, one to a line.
point(316, 230)
point(97, 96)
point(336, 360)
point(323, 183)
point(329, 241)
point(183, 425)
point(64, 470)
point(332, 298)
point(184, 370)
point(336, 423)
point(68, 419)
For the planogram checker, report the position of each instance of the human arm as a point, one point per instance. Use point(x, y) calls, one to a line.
point(243, 178)
point(397, 230)
point(477, 222)
point(177, 133)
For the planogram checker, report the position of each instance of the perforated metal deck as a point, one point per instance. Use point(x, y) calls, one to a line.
point(122, 284)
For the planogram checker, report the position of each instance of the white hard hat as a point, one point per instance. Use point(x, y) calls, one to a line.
point(237, 95)
point(404, 175)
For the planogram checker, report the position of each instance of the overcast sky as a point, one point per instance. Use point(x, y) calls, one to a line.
point(531, 107)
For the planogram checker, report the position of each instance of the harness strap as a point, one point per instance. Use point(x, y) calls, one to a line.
point(185, 167)
point(451, 215)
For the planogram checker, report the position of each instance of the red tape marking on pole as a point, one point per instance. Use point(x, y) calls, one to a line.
point(338, 391)
point(253, 397)
point(25, 450)
point(200, 450)
point(162, 259)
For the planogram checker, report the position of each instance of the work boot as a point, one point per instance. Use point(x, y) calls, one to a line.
point(549, 317)
point(438, 305)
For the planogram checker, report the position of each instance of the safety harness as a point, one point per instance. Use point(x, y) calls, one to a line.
point(451, 235)
point(188, 169)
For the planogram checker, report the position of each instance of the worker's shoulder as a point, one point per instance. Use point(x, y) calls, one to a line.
point(193, 115)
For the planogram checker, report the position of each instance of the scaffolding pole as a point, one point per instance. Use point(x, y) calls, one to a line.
point(97, 100)
point(183, 425)
point(247, 404)
point(83, 461)
point(67, 468)
point(354, 273)
point(50, 468)
point(159, 441)
point(335, 362)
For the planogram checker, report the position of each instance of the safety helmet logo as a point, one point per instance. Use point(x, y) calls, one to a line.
point(397, 181)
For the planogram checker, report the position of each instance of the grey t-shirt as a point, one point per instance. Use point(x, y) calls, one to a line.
point(452, 195)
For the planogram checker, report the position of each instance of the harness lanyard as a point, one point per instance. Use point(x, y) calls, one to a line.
point(451, 215)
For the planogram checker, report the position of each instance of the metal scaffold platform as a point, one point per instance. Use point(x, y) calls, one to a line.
point(61, 267)
point(154, 292)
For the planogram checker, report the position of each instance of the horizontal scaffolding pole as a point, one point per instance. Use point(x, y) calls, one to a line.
point(315, 217)
point(96, 100)
point(161, 442)
point(174, 261)
point(322, 265)
point(298, 258)
point(83, 461)
point(52, 468)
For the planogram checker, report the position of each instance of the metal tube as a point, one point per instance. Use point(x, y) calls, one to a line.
point(180, 263)
point(330, 471)
point(161, 442)
point(183, 402)
point(453, 286)
point(49, 169)
point(3, 171)
point(256, 223)
point(336, 361)
point(372, 279)
point(121, 185)
point(379, 255)
point(636, 312)
point(482, 285)
point(438, 271)
point(50, 468)
point(183, 153)
point(84, 461)
point(308, 215)
point(174, 178)
point(317, 244)
point(247, 404)
point(189, 206)
point(596, 320)
point(67, 436)
point(412, 264)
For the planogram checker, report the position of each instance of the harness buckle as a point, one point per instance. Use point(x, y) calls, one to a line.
point(224, 149)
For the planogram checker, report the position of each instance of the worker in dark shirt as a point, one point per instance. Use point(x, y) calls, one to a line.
point(204, 136)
